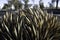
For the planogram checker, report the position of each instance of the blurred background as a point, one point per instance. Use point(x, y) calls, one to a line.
point(51, 6)
point(30, 3)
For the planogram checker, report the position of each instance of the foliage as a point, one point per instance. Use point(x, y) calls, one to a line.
point(16, 3)
point(41, 4)
point(26, 3)
point(57, 1)
point(19, 5)
point(5, 6)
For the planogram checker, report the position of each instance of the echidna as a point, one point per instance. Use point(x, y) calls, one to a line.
point(29, 24)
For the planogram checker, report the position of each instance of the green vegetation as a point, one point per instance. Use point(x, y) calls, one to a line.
point(52, 3)
point(19, 5)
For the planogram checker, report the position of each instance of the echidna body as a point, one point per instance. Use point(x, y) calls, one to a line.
point(30, 24)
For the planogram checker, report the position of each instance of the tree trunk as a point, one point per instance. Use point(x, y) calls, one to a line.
point(57, 3)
